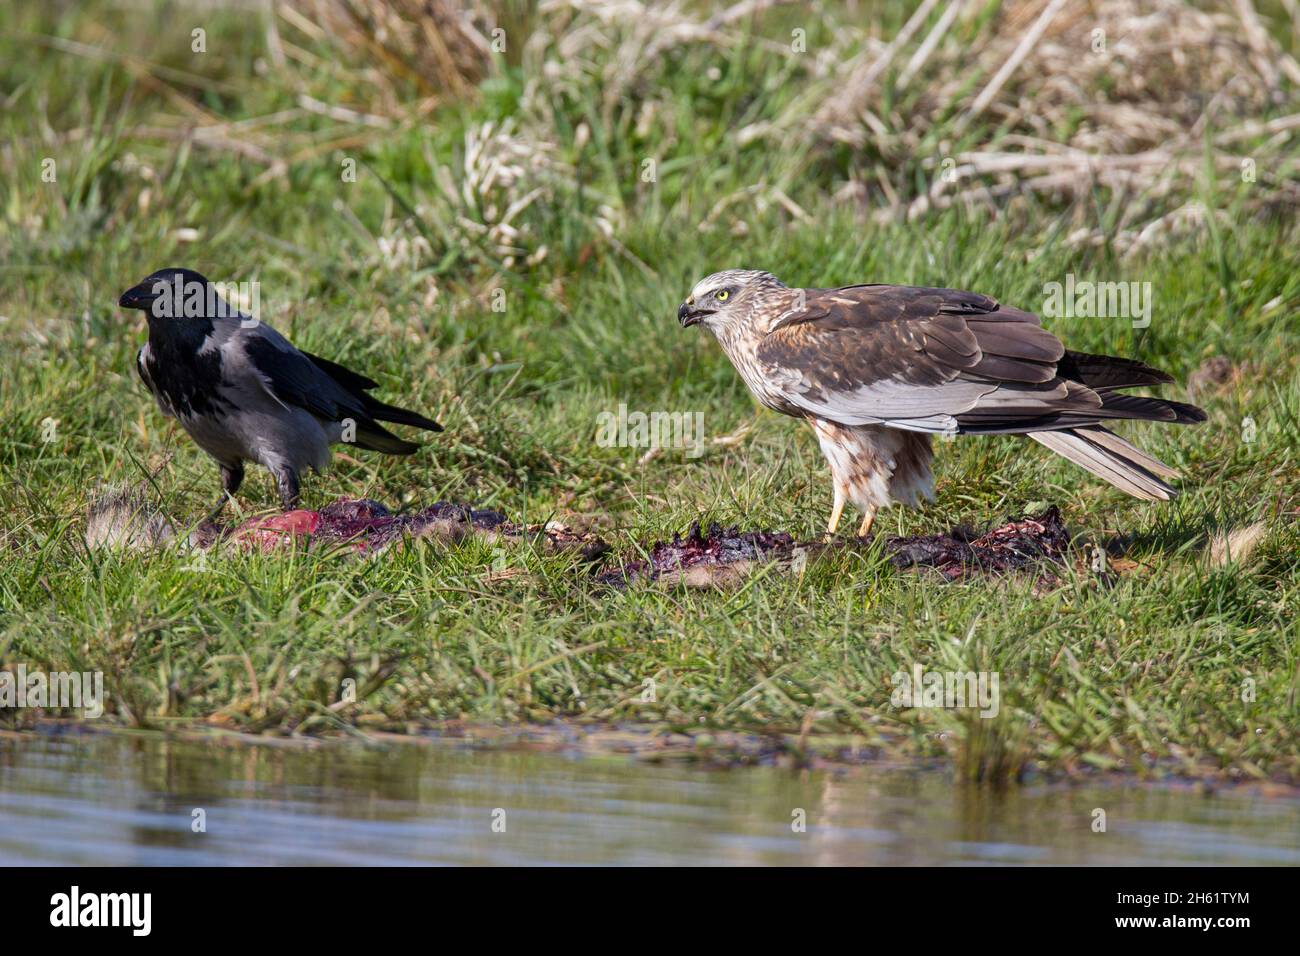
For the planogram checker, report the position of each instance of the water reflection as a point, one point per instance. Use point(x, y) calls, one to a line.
point(114, 800)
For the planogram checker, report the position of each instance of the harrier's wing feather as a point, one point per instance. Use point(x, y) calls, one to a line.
point(913, 357)
point(905, 356)
point(1109, 371)
point(938, 359)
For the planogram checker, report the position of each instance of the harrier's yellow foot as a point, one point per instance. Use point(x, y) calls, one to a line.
point(865, 527)
point(835, 515)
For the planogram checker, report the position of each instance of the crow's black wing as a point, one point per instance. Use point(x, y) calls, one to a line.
point(342, 374)
point(296, 378)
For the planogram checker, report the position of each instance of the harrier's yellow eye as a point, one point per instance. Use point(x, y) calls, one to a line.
point(723, 295)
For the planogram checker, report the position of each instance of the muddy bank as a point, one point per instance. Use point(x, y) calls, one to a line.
point(704, 747)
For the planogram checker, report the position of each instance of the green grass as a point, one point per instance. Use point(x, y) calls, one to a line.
point(1143, 671)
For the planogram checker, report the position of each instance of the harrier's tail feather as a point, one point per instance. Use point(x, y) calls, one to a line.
point(1112, 459)
point(1125, 449)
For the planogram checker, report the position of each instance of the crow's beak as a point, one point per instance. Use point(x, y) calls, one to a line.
point(138, 297)
point(688, 316)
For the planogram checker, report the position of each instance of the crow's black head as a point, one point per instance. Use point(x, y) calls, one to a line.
point(179, 298)
point(162, 283)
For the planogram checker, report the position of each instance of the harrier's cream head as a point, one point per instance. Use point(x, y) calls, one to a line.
point(727, 298)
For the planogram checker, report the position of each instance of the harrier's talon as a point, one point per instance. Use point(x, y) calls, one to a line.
point(865, 528)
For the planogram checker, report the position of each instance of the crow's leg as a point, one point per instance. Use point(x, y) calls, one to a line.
point(232, 476)
point(287, 479)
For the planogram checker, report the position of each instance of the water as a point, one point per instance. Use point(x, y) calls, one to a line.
point(123, 800)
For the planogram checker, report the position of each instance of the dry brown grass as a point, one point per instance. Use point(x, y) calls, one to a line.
point(1145, 99)
point(1138, 97)
point(438, 45)
point(1163, 114)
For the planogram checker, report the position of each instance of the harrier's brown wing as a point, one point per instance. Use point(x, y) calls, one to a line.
point(943, 360)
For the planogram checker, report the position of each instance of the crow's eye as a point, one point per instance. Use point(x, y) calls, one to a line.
point(723, 295)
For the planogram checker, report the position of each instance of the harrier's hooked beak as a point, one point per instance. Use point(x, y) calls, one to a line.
point(688, 315)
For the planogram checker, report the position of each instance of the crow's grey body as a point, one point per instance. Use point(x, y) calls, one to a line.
point(257, 427)
point(243, 392)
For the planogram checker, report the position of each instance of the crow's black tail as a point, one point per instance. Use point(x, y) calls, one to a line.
point(398, 416)
point(376, 437)
point(358, 385)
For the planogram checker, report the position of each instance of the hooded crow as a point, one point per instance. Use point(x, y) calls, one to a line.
point(244, 393)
